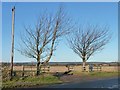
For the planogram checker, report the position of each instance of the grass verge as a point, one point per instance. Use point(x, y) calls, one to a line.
point(97, 74)
point(30, 81)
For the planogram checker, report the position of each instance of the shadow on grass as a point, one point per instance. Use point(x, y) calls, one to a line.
point(60, 74)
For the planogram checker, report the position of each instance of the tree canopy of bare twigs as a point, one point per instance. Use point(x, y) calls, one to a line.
point(40, 42)
point(85, 41)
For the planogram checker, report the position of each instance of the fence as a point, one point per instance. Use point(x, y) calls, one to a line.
point(31, 70)
point(97, 68)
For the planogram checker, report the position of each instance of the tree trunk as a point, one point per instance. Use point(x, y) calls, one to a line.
point(38, 68)
point(84, 63)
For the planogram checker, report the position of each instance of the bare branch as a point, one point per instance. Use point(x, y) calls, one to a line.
point(86, 41)
point(41, 42)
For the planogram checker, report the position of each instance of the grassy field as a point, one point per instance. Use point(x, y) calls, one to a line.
point(104, 74)
point(46, 79)
point(97, 74)
point(30, 81)
point(49, 79)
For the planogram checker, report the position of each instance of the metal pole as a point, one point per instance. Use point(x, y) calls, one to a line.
point(12, 49)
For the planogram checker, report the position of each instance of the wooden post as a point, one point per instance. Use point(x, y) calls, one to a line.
point(44, 69)
point(88, 68)
point(100, 67)
point(48, 67)
point(68, 68)
point(97, 67)
point(22, 70)
point(12, 49)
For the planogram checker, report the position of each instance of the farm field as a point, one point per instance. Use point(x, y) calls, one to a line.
point(49, 78)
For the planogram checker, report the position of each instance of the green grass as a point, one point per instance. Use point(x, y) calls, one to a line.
point(97, 74)
point(30, 81)
point(49, 79)
point(103, 74)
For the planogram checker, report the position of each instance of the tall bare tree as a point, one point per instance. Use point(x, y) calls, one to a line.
point(85, 41)
point(40, 43)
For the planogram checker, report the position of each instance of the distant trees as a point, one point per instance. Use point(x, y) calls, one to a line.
point(40, 42)
point(88, 40)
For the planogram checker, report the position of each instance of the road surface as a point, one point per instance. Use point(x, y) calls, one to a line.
point(111, 83)
point(104, 83)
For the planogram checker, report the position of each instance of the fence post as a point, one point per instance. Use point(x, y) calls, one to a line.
point(100, 67)
point(97, 67)
point(9, 74)
point(89, 68)
point(68, 68)
point(48, 69)
point(22, 70)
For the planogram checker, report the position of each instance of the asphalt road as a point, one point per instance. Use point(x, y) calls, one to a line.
point(111, 83)
point(104, 83)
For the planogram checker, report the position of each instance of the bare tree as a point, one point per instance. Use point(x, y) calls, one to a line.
point(85, 41)
point(40, 43)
